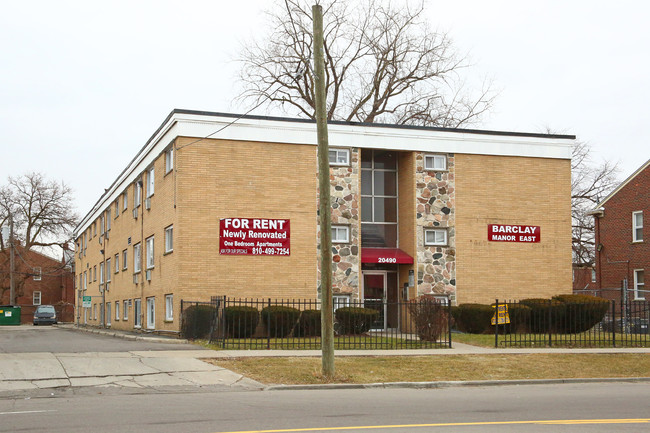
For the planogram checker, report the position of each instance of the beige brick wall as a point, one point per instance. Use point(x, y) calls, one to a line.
point(229, 179)
point(512, 190)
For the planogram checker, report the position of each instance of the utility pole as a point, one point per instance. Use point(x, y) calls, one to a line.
point(12, 288)
point(324, 208)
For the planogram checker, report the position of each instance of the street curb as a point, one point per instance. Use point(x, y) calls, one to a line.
point(125, 336)
point(451, 384)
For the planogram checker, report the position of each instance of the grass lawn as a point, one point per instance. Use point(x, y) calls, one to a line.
point(303, 370)
point(585, 339)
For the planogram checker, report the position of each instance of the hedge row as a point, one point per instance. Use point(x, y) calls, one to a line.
point(564, 314)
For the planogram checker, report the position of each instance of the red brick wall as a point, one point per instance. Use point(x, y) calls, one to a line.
point(582, 281)
point(619, 256)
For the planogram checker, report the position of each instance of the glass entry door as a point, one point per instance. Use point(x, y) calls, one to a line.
point(374, 296)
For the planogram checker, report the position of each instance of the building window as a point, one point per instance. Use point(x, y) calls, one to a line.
point(38, 273)
point(340, 234)
point(435, 162)
point(137, 266)
point(94, 311)
point(378, 198)
point(108, 220)
point(639, 285)
point(126, 310)
point(150, 181)
point(169, 239)
point(36, 298)
point(85, 286)
point(137, 320)
point(117, 207)
point(593, 275)
point(149, 252)
point(169, 160)
point(101, 273)
point(169, 307)
point(125, 199)
point(95, 273)
point(435, 237)
point(151, 313)
point(102, 225)
point(637, 226)
point(117, 310)
point(339, 301)
point(339, 156)
point(137, 193)
point(124, 260)
point(117, 263)
point(108, 314)
point(108, 270)
point(95, 228)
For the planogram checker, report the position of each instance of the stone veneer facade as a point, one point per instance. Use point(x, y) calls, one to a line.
point(344, 191)
point(435, 206)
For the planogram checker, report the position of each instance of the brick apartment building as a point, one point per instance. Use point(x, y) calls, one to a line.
point(39, 280)
point(584, 280)
point(622, 247)
point(471, 215)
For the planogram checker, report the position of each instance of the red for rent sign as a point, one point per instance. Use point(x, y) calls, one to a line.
point(513, 233)
point(254, 237)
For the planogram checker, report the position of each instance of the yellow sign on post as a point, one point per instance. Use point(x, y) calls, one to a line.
point(501, 316)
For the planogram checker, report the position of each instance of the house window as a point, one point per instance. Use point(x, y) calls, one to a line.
point(593, 275)
point(117, 310)
point(95, 228)
point(149, 252)
point(108, 314)
point(639, 285)
point(108, 220)
point(339, 301)
point(126, 310)
point(94, 311)
point(169, 239)
point(637, 226)
point(137, 320)
point(340, 234)
point(339, 156)
point(125, 198)
point(169, 307)
point(117, 207)
point(137, 193)
point(95, 273)
point(435, 237)
point(150, 181)
point(36, 298)
point(169, 159)
point(124, 260)
point(108, 270)
point(137, 266)
point(101, 225)
point(435, 162)
point(38, 273)
point(101, 273)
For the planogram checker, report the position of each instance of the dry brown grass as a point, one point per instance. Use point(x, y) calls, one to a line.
point(304, 370)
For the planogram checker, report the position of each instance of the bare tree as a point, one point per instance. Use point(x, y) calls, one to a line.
point(43, 216)
point(590, 183)
point(383, 64)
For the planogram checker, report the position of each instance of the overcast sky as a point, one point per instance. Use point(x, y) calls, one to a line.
point(84, 84)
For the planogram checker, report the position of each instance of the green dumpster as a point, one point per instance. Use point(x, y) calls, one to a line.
point(9, 315)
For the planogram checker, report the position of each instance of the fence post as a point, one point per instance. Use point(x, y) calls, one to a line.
point(268, 334)
point(496, 324)
point(614, 322)
point(181, 320)
point(449, 319)
point(550, 318)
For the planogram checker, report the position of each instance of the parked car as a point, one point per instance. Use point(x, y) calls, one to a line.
point(45, 315)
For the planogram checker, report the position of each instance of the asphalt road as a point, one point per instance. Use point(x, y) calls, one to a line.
point(32, 339)
point(620, 407)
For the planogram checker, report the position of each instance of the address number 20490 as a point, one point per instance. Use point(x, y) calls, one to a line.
point(387, 260)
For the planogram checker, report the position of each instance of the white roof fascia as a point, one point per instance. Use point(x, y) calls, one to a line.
point(340, 135)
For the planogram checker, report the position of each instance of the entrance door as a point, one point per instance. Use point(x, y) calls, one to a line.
point(374, 296)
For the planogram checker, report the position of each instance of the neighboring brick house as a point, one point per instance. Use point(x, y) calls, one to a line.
point(39, 280)
point(411, 206)
point(622, 241)
point(584, 280)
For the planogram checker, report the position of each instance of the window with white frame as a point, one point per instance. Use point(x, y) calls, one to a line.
point(124, 260)
point(117, 263)
point(36, 298)
point(101, 225)
point(435, 237)
point(637, 226)
point(339, 156)
point(101, 273)
point(137, 265)
point(137, 309)
point(108, 220)
point(149, 253)
point(108, 270)
point(85, 285)
point(95, 273)
point(117, 310)
point(339, 301)
point(125, 199)
point(593, 275)
point(150, 181)
point(137, 193)
point(639, 285)
point(435, 162)
point(117, 207)
point(125, 311)
point(108, 314)
point(38, 273)
point(94, 311)
point(169, 239)
point(169, 159)
point(169, 307)
point(340, 234)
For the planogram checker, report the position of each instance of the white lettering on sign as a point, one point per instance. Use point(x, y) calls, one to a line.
point(386, 260)
point(513, 233)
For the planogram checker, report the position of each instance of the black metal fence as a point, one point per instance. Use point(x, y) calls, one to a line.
point(232, 323)
point(549, 323)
